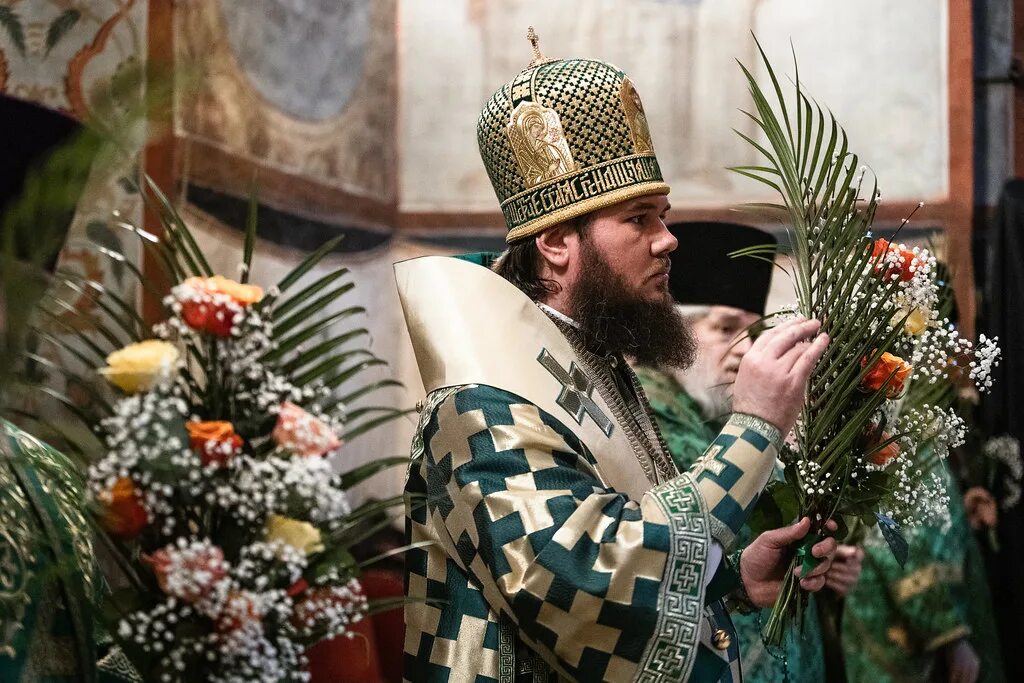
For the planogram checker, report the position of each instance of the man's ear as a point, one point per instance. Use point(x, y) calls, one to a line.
point(556, 244)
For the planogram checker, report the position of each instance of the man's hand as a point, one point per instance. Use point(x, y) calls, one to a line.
point(772, 377)
point(842, 576)
point(962, 662)
point(982, 512)
point(764, 563)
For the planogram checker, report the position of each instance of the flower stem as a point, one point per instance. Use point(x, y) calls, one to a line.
point(782, 611)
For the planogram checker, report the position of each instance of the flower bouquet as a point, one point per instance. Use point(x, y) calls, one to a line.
point(218, 501)
point(851, 456)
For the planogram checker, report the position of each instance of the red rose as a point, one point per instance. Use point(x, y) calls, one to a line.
point(905, 269)
point(212, 304)
point(889, 371)
point(239, 610)
point(215, 441)
point(123, 514)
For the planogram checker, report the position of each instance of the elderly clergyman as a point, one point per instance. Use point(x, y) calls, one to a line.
point(557, 538)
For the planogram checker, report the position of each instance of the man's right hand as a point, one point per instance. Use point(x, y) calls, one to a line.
point(772, 378)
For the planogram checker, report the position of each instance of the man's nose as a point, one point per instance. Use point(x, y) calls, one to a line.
point(664, 242)
point(742, 344)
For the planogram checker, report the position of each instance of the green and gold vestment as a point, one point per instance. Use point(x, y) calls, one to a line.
point(566, 544)
point(687, 433)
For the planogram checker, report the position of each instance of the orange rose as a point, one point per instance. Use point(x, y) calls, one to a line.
point(302, 434)
point(211, 304)
point(884, 455)
point(203, 566)
point(889, 371)
point(123, 514)
point(215, 441)
point(881, 250)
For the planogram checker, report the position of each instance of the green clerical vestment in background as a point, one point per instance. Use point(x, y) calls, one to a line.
point(687, 434)
point(896, 619)
point(48, 576)
point(46, 565)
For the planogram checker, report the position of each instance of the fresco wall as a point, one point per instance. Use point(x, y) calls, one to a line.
point(884, 78)
point(66, 55)
point(350, 114)
point(301, 94)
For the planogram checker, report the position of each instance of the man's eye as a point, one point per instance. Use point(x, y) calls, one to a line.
point(637, 219)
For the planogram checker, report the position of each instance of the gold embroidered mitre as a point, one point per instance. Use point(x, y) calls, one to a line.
point(565, 137)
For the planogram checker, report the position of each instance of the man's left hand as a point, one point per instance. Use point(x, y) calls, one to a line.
point(764, 563)
point(845, 570)
point(982, 512)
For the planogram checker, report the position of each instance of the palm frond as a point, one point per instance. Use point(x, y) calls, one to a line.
point(251, 223)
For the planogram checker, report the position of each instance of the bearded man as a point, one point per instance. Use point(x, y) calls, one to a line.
point(556, 538)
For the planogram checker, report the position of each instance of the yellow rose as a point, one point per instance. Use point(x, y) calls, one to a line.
point(138, 367)
point(915, 324)
point(299, 535)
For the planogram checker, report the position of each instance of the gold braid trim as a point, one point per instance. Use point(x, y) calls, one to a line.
point(952, 635)
point(925, 578)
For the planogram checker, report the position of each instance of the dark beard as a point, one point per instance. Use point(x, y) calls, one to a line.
point(612, 317)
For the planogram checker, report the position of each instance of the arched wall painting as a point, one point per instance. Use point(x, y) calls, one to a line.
point(301, 93)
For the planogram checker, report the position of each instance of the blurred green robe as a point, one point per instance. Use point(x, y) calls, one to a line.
point(48, 580)
point(897, 619)
point(46, 577)
point(688, 435)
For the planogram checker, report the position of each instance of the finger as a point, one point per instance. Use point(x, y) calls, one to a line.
point(821, 569)
point(840, 569)
point(805, 364)
point(831, 525)
point(813, 584)
point(789, 337)
point(845, 553)
point(767, 337)
point(841, 576)
point(839, 580)
point(789, 359)
point(825, 548)
point(770, 332)
point(838, 586)
point(780, 538)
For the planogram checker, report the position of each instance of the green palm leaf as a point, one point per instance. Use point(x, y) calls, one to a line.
point(308, 264)
point(320, 350)
point(283, 307)
point(311, 310)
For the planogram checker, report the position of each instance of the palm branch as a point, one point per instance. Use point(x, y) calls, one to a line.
point(829, 204)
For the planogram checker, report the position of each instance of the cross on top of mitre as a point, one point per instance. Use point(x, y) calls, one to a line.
point(538, 57)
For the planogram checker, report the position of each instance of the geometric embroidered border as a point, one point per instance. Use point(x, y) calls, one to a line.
point(759, 425)
point(673, 648)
